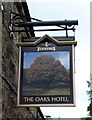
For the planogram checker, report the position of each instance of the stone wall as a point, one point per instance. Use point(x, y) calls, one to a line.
point(9, 64)
point(0, 62)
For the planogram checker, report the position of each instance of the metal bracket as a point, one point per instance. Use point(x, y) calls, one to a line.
point(17, 21)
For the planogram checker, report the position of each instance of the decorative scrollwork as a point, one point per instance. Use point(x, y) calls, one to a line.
point(17, 19)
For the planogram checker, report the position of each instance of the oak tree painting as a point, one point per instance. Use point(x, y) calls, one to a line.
point(46, 75)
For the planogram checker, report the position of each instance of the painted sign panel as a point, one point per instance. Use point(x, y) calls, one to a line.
point(46, 75)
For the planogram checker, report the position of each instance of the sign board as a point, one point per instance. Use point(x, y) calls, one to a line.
point(46, 73)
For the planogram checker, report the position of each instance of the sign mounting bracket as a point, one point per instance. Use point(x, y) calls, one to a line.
point(18, 22)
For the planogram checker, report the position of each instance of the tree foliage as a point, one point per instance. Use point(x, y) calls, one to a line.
point(89, 108)
point(47, 72)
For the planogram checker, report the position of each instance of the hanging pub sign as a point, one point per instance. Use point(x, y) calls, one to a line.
point(46, 72)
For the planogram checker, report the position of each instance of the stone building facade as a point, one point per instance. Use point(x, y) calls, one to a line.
point(9, 65)
point(0, 63)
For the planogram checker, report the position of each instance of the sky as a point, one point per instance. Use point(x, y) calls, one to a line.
point(29, 57)
point(50, 10)
point(91, 37)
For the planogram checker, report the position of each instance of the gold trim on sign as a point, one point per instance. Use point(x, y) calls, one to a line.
point(18, 95)
point(48, 37)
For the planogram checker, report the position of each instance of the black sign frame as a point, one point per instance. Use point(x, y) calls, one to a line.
point(46, 47)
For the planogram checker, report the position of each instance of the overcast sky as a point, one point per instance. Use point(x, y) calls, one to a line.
point(70, 10)
point(91, 41)
point(29, 57)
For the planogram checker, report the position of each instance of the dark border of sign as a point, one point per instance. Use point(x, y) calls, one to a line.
point(71, 97)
